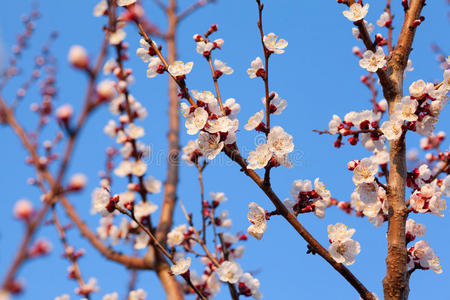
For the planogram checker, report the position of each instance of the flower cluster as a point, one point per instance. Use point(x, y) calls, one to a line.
point(343, 249)
point(369, 198)
point(418, 112)
point(306, 198)
point(360, 126)
point(231, 272)
point(421, 256)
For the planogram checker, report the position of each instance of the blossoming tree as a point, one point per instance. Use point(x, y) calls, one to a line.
point(385, 189)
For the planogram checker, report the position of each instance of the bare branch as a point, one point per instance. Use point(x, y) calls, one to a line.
point(193, 8)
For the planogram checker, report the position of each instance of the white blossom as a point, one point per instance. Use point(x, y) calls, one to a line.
point(190, 151)
point(405, 109)
point(222, 67)
point(117, 36)
point(176, 235)
point(256, 216)
point(100, 9)
point(221, 124)
point(339, 232)
point(204, 48)
point(365, 171)
point(141, 241)
point(445, 188)
point(134, 131)
point(196, 120)
point(418, 88)
point(153, 66)
point(300, 186)
point(144, 209)
point(415, 229)
point(259, 158)
point(139, 294)
point(426, 126)
point(255, 66)
point(182, 266)
point(368, 192)
point(78, 57)
point(143, 52)
point(222, 220)
point(371, 144)
point(205, 96)
point(271, 43)
point(229, 271)
point(344, 251)
point(209, 144)
point(218, 197)
point(152, 185)
point(100, 199)
point(233, 106)
point(384, 18)
point(280, 142)
point(333, 125)
point(110, 129)
point(254, 120)
point(392, 129)
point(252, 284)
point(356, 12)
point(125, 2)
point(423, 255)
point(277, 105)
point(106, 89)
point(179, 68)
point(373, 61)
point(112, 296)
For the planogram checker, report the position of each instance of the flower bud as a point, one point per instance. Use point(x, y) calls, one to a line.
point(218, 43)
point(23, 210)
point(352, 164)
point(106, 90)
point(78, 57)
point(65, 112)
point(77, 182)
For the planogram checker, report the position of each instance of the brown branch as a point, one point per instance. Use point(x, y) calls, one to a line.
point(68, 250)
point(131, 262)
point(21, 255)
point(226, 255)
point(396, 282)
point(160, 4)
point(202, 199)
point(348, 132)
point(193, 8)
point(443, 168)
point(55, 183)
point(160, 248)
point(281, 208)
point(266, 64)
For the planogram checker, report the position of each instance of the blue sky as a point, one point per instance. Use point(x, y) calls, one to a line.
point(318, 76)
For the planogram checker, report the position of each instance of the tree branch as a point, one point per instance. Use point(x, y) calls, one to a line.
point(193, 8)
point(359, 287)
point(396, 281)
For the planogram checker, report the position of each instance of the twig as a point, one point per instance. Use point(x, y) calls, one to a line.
point(68, 250)
point(193, 8)
point(226, 255)
point(160, 248)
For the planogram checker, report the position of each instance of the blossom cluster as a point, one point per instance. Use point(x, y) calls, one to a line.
point(343, 249)
point(306, 198)
point(421, 255)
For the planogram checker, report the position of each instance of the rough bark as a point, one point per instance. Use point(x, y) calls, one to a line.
point(396, 282)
